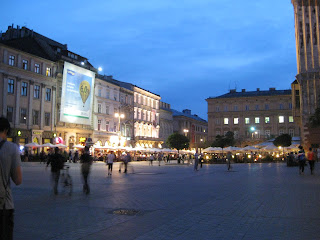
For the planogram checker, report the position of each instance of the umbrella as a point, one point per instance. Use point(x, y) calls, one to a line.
point(78, 146)
point(168, 150)
point(208, 149)
point(270, 148)
point(249, 148)
point(32, 145)
point(232, 149)
point(60, 145)
point(50, 145)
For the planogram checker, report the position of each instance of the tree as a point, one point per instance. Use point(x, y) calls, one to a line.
point(314, 119)
point(283, 140)
point(224, 141)
point(178, 141)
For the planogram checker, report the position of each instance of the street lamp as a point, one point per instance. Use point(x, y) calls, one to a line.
point(119, 116)
point(185, 132)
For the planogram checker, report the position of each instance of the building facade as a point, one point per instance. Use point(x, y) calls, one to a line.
point(146, 118)
point(192, 126)
point(306, 87)
point(253, 116)
point(166, 122)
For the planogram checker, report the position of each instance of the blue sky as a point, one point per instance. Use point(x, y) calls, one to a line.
point(185, 51)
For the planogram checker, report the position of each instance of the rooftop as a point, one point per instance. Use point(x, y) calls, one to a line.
point(187, 114)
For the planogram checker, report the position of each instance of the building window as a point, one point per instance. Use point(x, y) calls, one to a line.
point(291, 132)
point(10, 114)
point(281, 131)
point(115, 95)
point(12, 60)
point(247, 120)
point(226, 108)
point(35, 117)
point(218, 133)
point(24, 89)
point(99, 125)
point(256, 120)
point(25, 64)
point(217, 109)
point(290, 119)
point(107, 109)
point(235, 108)
point(267, 133)
point(47, 119)
point(281, 106)
point(36, 92)
point(10, 86)
point(236, 134)
point(290, 105)
point(107, 126)
point(247, 108)
point(23, 115)
point(226, 121)
point(48, 72)
point(257, 107)
point(108, 94)
point(48, 94)
point(99, 108)
point(37, 68)
point(99, 92)
point(236, 121)
point(115, 127)
point(217, 120)
point(266, 107)
point(267, 119)
point(281, 119)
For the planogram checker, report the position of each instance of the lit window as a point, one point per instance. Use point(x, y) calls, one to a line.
point(236, 121)
point(247, 120)
point(256, 120)
point(291, 119)
point(226, 121)
point(267, 119)
point(281, 119)
point(48, 72)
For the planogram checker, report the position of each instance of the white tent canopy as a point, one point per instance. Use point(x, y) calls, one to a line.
point(36, 145)
point(232, 149)
point(50, 145)
point(249, 148)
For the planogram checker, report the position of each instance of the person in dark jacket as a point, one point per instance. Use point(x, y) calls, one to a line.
point(56, 160)
point(86, 161)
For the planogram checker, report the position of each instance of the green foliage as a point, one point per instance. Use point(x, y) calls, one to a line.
point(283, 140)
point(224, 141)
point(177, 141)
point(314, 119)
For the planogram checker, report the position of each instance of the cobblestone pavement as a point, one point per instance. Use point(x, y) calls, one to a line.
point(253, 201)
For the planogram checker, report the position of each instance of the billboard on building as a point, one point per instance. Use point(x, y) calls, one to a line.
point(77, 94)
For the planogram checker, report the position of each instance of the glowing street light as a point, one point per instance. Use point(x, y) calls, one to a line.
point(99, 69)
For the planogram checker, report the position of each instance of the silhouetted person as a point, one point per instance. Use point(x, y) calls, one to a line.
point(56, 160)
point(86, 161)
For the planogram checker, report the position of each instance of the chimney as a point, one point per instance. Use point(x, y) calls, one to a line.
point(258, 89)
point(272, 89)
point(243, 90)
point(233, 90)
point(187, 111)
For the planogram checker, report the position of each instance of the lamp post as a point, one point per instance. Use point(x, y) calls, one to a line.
point(119, 116)
point(185, 132)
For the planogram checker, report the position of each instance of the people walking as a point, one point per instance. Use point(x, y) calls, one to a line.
point(196, 161)
point(76, 157)
point(229, 158)
point(56, 161)
point(311, 159)
point(301, 159)
point(160, 156)
point(10, 168)
point(110, 159)
point(126, 160)
point(86, 161)
point(151, 158)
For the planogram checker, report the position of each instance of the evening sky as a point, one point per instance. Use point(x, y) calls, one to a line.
point(185, 51)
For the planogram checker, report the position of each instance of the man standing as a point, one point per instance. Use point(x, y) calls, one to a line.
point(311, 159)
point(196, 161)
point(110, 159)
point(57, 162)
point(10, 167)
point(86, 161)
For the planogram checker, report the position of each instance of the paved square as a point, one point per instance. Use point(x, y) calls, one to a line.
point(253, 201)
